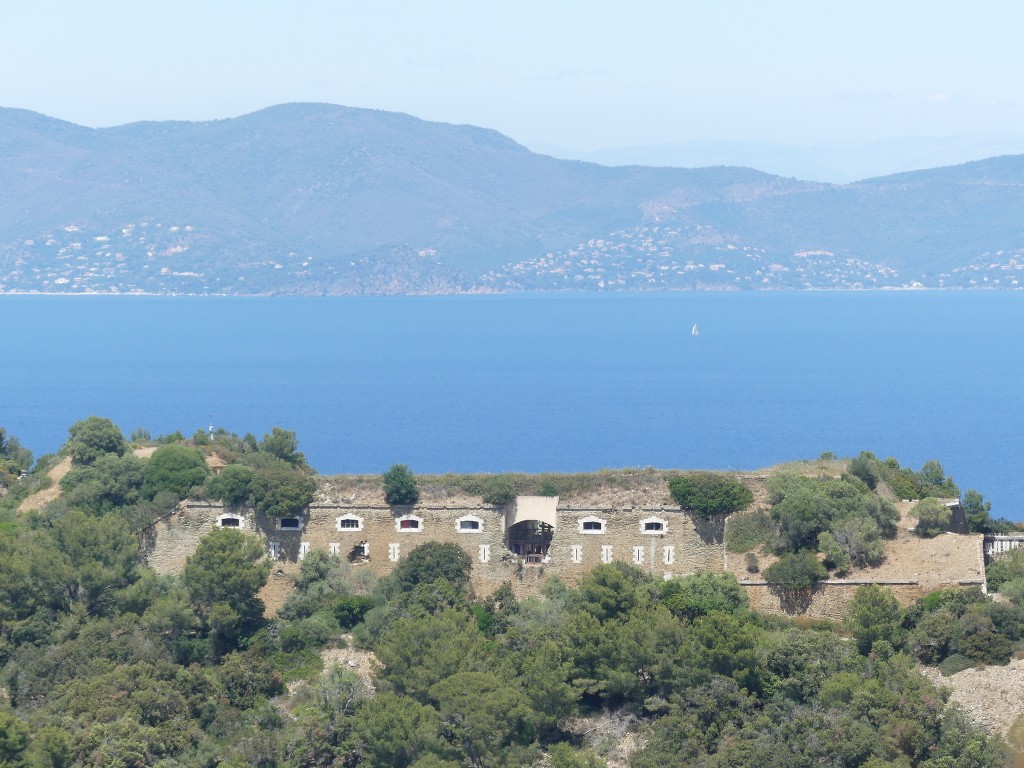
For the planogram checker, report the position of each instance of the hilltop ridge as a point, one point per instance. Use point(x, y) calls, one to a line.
point(330, 200)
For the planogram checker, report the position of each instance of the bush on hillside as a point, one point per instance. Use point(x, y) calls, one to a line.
point(400, 487)
point(796, 570)
point(933, 517)
point(707, 494)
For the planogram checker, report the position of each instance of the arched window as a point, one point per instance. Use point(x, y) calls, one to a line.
point(469, 524)
point(591, 525)
point(409, 524)
point(653, 525)
point(349, 523)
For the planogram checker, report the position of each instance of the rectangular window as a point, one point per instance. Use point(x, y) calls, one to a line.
point(606, 553)
point(670, 555)
point(275, 550)
point(654, 526)
point(638, 555)
point(303, 550)
point(348, 523)
point(409, 524)
point(393, 552)
point(290, 523)
point(334, 549)
point(593, 525)
point(576, 553)
point(469, 525)
point(485, 553)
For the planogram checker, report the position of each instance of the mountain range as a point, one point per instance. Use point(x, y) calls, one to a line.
point(324, 199)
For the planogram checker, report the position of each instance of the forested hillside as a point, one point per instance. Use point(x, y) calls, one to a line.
point(106, 663)
point(323, 199)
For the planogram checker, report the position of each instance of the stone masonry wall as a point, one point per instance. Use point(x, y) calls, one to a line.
point(683, 544)
point(829, 600)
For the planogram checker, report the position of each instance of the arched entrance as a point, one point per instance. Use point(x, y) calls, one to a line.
point(530, 526)
point(530, 540)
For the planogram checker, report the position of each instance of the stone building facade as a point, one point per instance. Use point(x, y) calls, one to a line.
point(534, 537)
point(522, 542)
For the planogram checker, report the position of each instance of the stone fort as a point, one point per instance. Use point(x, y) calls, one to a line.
point(535, 536)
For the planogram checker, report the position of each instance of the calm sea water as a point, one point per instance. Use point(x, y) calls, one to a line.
point(542, 382)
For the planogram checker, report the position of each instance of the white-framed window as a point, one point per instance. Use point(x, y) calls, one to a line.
point(348, 523)
point(576, 553)
point(366, 548)
point(303, 550)
point(274, 550)
point(638, 555)
point(469, 524)
point(653, 525)
point(606, 553)
point(485, 553)
point(409, 524)
point(591, 525)
point(394, 552)
point(334, 549)
point(289, 524)
point(228, 520)
point(669, 554)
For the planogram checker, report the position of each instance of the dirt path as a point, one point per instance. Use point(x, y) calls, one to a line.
point(40, 499)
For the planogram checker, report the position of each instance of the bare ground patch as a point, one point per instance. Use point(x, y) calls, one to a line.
point(40, 499)
point(612, 735)
point(993, 697)
point(363, 663)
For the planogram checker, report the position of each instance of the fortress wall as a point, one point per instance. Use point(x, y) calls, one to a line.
point(831, 599)
point(692, 545)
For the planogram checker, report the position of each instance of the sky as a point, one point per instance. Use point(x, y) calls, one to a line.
point(583, 75)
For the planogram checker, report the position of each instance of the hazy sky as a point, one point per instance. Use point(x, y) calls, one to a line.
point(584, 75)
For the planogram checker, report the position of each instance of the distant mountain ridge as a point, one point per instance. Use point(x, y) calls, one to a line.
point(323, 199)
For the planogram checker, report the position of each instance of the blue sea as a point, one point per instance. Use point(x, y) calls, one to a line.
point(562, 382)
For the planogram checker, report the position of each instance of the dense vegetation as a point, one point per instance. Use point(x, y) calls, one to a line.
point(824, 525)
point(106, 663)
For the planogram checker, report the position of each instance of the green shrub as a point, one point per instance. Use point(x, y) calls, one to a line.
point(933, 517)
point(313, 631)
point(955, 663)
point(232, 485)
point(174, 468)
point(400, 486)
point(866, 467)
point(694, 596)
point(93, 437)
point(350, 610)
point(1013, 590)
point(750, 530)
point(707, 494)
point(280, 491)
point(796, 570)
point(500, 489)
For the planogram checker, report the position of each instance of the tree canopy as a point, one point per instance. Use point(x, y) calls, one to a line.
point(400, 486)
point(707, 493)
point(174, 468)
point(93, 437)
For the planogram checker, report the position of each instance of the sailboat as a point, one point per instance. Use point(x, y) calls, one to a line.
point(694, 331)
